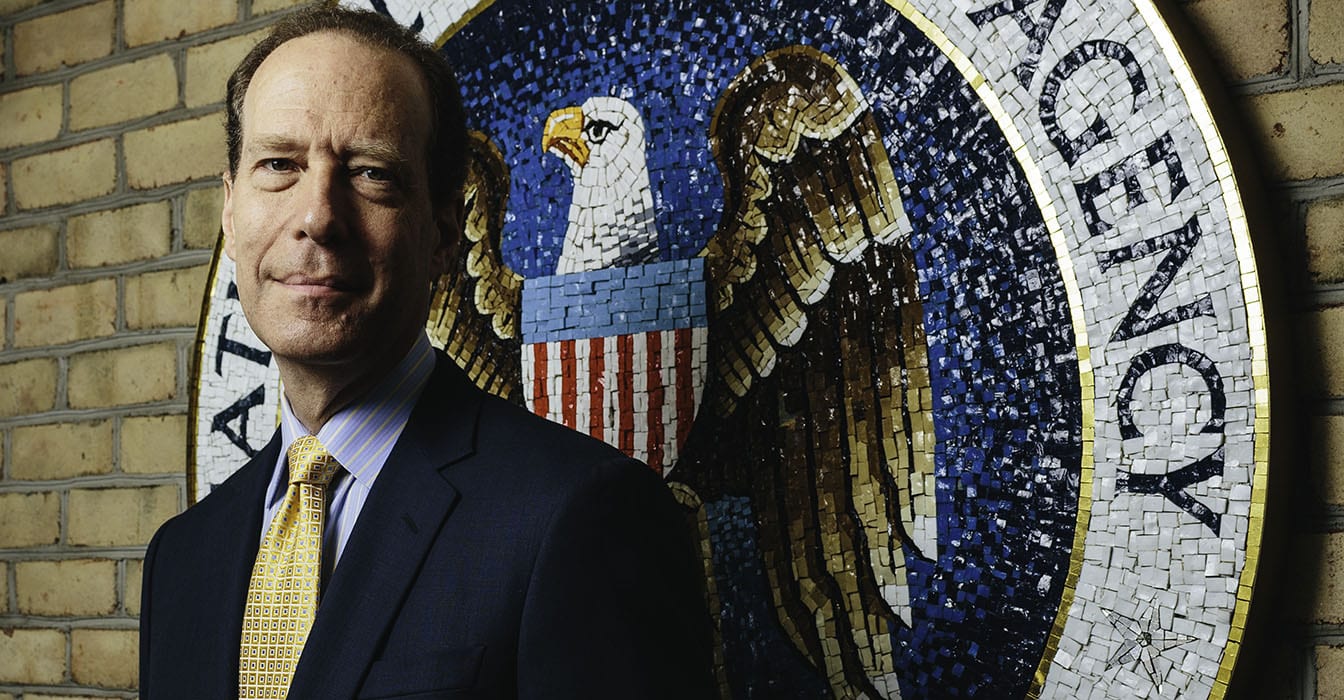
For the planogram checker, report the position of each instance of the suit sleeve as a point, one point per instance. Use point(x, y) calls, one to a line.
point(615, 605)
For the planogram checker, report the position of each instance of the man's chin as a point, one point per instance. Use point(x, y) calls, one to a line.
point(357, 352)
point(301, 344)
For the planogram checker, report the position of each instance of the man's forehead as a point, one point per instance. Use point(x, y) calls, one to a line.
point(324, 45)
point(341, 60)
point(330, 75)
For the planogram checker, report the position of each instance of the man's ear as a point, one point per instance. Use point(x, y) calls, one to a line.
point(226, 216)
point(450, 219)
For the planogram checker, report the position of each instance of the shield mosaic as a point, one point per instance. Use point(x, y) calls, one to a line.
point(939, 317)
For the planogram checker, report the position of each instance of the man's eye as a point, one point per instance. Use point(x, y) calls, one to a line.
point(277, 165)
point(374, 174)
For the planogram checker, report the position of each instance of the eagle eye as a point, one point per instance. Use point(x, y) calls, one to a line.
point(596, 131)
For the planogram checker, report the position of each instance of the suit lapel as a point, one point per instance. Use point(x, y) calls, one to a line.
point(229, 555)
point(399, 522)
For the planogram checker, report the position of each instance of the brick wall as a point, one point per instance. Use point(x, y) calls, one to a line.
point(110, 148)
point(1282, 63)
point(110, 151)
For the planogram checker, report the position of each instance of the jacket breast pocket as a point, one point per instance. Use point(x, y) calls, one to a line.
point(430, 673)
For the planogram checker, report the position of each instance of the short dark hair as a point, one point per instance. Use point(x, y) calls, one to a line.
point(446, 159)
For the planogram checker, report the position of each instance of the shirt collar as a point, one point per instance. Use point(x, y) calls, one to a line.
point(361, 435)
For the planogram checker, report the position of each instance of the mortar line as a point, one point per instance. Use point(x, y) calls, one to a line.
point(111, 201)
point(91, 481)
point(1301, 41)
point(172, 407)
point(65, 554)
point(172, 261)
point(98, 133)
point(111, 342)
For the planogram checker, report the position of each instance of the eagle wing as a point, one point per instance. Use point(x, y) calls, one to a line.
point(806, 175)
point(474, 316)
point(818, 387)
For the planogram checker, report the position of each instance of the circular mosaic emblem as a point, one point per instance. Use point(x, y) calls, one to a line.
point(940, 319)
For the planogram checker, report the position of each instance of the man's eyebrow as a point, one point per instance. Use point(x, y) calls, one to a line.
point(376, 150)
point(268, 142)
point(379, 151)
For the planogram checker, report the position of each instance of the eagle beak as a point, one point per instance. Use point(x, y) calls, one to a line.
point(564, 133)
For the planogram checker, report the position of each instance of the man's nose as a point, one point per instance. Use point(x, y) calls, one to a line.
point(322, 199)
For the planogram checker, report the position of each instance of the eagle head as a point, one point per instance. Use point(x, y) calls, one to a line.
point(611, 216)
point(604, 131)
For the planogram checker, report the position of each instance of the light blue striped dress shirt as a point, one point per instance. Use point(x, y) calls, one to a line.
point(360, 437)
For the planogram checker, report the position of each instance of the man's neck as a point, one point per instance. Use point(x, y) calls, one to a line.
point(316, 392)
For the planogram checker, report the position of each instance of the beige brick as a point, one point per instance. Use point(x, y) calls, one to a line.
point(139, 232)
point(155, 156)
point(1325, 240)
point(153, 444)
point(1326, 552)
point(165, 299)
point(67, 587)
point(135, 571)
point(123, 92)
point(30, 116)
point(4, 310)
point(261, 7)
point(44, 43)
point(29, 519)
point(1302, 131)
point(200, 217)
point(105, 658)
point(61, 450)
point(125, 376)
point(32, 656)
point(209, 67)
point(29, 252)
point(148, 21)
point(1246, 39)
point(1329, 672)
point(1326, 31)
point(1326, 450)
point(65, 314)
point(1320, 336)
point(4, 593)
point(68, 175)
point(119, 517)
point(28, 386)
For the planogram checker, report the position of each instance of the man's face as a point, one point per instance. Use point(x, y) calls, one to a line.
point(329, 216)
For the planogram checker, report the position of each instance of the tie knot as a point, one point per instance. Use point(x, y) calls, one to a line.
point(310, 463)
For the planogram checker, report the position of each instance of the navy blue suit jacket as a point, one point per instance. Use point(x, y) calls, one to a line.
point(498, 555)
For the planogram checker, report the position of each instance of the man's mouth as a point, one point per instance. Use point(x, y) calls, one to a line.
point(317, 285)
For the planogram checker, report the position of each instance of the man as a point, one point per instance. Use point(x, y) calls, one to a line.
point(458, 545)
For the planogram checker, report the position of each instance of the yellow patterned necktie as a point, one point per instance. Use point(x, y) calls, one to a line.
point(282, 597)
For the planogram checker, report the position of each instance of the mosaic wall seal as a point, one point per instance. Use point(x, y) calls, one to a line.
point(940, 318)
